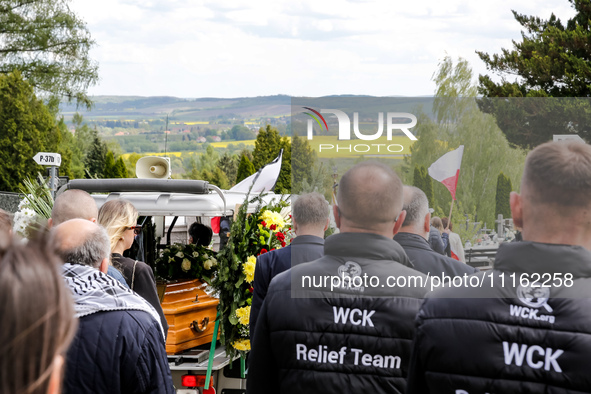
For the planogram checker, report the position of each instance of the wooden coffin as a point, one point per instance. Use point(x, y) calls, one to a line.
point(190, 313)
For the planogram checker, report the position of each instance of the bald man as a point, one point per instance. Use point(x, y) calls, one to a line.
point(78, 204)
point(119, 346)
point(324, 326)
point(526, 327)
point(73, 204)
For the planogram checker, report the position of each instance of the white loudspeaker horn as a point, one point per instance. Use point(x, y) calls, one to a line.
point(153, 167)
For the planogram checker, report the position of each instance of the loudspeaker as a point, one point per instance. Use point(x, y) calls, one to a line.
point(153, 167)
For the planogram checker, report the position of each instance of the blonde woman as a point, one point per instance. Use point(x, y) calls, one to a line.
point(119, 217)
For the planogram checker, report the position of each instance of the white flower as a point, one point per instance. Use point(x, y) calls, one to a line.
point(23, 218)
point(186, 265)
point(208, 264)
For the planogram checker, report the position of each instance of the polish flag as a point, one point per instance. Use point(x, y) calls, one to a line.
point(447, 169)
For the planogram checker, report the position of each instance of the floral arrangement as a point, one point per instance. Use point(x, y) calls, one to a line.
point(35, 207)
point(190, 261)
point(268, 228)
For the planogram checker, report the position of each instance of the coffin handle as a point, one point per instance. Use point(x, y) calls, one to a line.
point(195, 325)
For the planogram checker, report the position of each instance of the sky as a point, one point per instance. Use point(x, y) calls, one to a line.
point(247, 48)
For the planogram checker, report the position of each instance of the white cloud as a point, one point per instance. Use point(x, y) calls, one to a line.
point(189, 48)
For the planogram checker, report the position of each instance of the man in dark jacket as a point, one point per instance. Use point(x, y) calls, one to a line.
point(343, 323)
point(414, 234)
point(119, 345)
point(435, 240)
point(526, 328)
point(310, 221)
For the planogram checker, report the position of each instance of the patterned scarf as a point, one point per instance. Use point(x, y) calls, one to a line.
point(94, 291)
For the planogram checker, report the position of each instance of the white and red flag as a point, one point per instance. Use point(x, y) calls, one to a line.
point(447, 169)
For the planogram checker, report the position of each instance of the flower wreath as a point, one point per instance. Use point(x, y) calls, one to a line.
point(179, 261)
point(268, 228)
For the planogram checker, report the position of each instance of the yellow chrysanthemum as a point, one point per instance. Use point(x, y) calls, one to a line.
point(275, 218)
point(243, 315)
point(248, 268)
point(241, 344)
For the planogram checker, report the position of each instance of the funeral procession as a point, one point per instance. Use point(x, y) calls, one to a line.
point(335, 197)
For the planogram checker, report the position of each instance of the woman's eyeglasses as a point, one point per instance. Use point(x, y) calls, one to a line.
point(136, 229)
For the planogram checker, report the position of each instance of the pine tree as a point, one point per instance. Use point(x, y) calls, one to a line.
point(110, 171)
point(120, 168)
point(303, 163)
point(245, 169)
point(229, 165)
point(219, 178)
point(193, 172)
point(552, 60)
point(266, 148)
point(502, 197)
point(283, 184)
point(95, 159)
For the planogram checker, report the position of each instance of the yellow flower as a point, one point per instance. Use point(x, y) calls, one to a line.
point(186, 265)
point(275, 218)
point(243, 315)
point(241, 344)
point(248, 268)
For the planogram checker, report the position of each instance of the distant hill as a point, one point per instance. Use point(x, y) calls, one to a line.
point(136, 107)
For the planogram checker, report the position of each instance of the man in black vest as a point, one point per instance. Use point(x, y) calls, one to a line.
point(414, 235)
point(343, 323)
point(526, 326)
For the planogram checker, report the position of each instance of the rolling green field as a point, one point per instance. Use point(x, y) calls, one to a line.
point(329, 147)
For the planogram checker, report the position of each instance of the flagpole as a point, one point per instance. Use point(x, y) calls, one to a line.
point(449, 217)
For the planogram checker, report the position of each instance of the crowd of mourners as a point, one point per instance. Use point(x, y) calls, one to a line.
point(386, 305)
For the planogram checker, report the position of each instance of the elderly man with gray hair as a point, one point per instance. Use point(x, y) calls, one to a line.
point(309, 214)
point(414, 235)
point(119, 346)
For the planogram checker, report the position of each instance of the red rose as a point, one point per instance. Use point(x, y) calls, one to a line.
point(272, 250)
point(273, 227)
point(263, 251)
point(264, 224)
point(283, 244)
point(251, 289)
